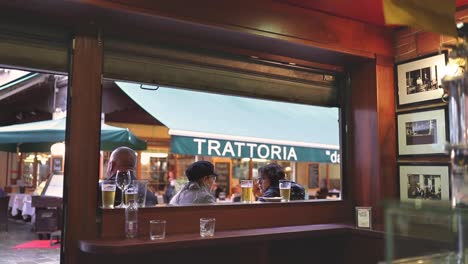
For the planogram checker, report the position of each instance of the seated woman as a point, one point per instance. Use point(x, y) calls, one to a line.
point(201, 176)
point(268, 181)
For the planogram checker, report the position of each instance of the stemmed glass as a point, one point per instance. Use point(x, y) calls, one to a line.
point(122, 180)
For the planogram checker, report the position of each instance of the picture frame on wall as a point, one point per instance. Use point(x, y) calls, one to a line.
point(419, 80)
point(422, 132)
point(424, 182)
point(363, 217)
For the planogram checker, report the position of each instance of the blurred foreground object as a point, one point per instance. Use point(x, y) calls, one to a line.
point(429, 15)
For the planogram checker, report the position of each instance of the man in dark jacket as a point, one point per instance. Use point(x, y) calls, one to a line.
point(268, 181)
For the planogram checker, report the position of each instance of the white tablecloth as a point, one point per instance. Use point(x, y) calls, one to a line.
point(21, 201)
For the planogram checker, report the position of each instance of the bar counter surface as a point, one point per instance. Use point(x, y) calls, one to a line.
point(322, 243)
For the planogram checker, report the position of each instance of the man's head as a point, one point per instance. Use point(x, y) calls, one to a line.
point(121, 158)
point(269, 175)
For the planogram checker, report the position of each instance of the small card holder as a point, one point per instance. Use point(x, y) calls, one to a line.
point(364, 217)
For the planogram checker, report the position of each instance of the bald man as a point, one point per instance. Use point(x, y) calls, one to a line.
point(125, 158)
point(121, 158)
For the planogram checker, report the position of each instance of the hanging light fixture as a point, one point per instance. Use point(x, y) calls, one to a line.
point(58, 149)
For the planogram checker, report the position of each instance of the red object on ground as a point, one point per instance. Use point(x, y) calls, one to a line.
point(37, 244)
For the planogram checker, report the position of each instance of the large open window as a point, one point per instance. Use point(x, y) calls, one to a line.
point(239, 113)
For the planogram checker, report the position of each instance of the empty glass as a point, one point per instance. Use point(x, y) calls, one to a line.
point(142, 188)
point(122, 180)
point(222, 196)
point(207, 227)
point(157, 229)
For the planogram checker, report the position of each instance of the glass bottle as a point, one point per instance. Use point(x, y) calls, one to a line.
point(131, 219)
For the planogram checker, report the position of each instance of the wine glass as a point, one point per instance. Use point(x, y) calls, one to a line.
point(122, 180)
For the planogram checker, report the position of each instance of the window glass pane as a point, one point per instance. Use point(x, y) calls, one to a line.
point(237, 135)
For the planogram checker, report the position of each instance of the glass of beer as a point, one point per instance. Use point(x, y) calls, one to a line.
point(108, 193)
point(285, 190)
point(131, 193)
point(247, 191)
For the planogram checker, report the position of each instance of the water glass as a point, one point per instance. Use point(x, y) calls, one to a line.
point(247, 191)
point(142, 189)
point(207, 227)
point(108, 193)
point(157, 229)
point(222, 196)
point(285, 190)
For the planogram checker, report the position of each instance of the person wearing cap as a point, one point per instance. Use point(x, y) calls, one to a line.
point(268, 182)
point(201, 176)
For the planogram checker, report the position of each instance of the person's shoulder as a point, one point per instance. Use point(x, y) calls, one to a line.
point(296, 185)
point(272, 192)
point(206, 197)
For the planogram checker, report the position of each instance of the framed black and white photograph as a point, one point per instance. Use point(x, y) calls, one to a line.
point(422, 132)
point(419, 80)
point(424, 182)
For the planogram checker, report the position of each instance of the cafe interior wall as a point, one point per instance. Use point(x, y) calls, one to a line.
point(411, 43)
point(357, 168)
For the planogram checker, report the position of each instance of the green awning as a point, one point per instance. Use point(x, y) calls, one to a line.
point(229, 126)
point(39, 136)
point(26, 76)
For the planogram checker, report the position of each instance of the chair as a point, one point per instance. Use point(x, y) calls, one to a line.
point(4, 212)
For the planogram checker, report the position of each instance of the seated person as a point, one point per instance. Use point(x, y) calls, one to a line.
point(322, 193)
point(170, 188)
point(2, 193)
point(124, 158)
point(201, 176)
point(268, 181)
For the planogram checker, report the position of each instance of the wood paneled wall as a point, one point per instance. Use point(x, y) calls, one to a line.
point(411, 43)
point(371, 138)
point(266, 27)
point(266, 246)
point(185, 219)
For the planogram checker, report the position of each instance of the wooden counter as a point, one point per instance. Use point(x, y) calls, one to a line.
point(324, 243)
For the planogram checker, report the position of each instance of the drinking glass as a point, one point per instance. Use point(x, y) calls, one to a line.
point(131, 193)
point(108, 193)
point(157, 229)
point(222, 196)
point(122, 180)
point(285, 190)
point(247, 191)
point(207, 227)
point(142, 188)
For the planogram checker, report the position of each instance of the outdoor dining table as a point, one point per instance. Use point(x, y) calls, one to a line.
point(21, 201)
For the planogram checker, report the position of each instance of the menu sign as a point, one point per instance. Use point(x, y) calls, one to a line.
point(314, 175)
point(57, 165)
point(223, 169)
point(54, 186)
